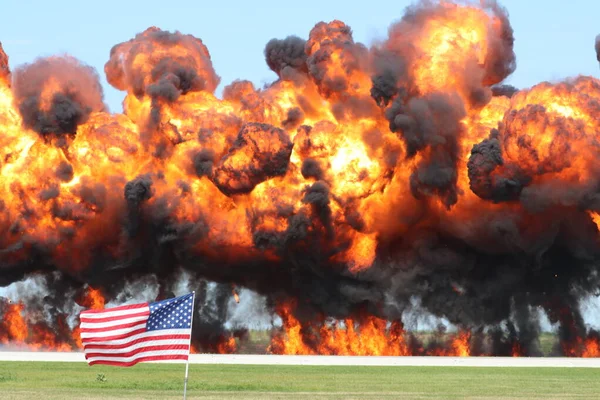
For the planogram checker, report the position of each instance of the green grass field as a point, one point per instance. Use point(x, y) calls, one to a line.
point(53, 381)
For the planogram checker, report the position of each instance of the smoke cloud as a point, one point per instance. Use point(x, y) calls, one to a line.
point(161, 64)
point(363, 180)
point(286, 56)
point(57, 94)
point(260, 152)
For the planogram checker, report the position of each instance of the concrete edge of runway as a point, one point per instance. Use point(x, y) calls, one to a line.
point(262, 359)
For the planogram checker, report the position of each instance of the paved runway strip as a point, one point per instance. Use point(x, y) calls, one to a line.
point(249, 359)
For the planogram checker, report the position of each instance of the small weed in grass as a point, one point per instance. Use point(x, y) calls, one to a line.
point(7, 377)
point(101, 378)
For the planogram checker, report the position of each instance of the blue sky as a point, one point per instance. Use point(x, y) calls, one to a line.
point(553, 41)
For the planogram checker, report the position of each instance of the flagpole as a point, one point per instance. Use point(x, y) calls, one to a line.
point(187, 364)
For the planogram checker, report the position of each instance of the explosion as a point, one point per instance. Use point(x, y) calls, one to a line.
point(55, 95)
point(4, 70)
point(362, 180)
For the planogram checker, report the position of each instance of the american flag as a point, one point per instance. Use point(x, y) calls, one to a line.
point(130, 334)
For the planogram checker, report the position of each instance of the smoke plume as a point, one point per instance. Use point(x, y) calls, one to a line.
point(260, 152)
point(161, 64)
point(56, 94)
point(286, 56)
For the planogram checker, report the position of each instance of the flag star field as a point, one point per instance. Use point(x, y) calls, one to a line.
point(171, 314)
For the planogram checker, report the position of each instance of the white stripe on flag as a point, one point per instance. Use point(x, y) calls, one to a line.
point(109, 324)
point(161, 332)
point(113, 332)
point(165, 342)
point(108, 313)
point(140, 355)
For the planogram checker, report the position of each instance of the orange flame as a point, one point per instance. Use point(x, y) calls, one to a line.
point(461, 346)
point(596, 218)
point(369, 336)
point(13, 327)
point(227, 346)
point(95, 299)
point(17, 328)
point(587, 347)
point(591, 347)
point(76, 336)
point(517, 351)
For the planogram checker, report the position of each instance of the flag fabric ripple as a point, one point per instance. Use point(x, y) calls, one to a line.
point(130, 334)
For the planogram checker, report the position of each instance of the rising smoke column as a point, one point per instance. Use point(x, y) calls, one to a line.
point(339, 67)
point(545, 140)
point(542, 160)
point(437, 65)
point(430, 50)
point(56, 94)
point(161, 64)
point(286, 56)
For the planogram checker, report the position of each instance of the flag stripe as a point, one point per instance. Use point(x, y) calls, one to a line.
point(142, 354)
point(138, 360)
point(115, 318)
point(161, 334)
point(144, 349)
point(144, 346)
point(106, 325)
point(128, 307)
point(116, 332)
point(114, 337)
point(173, 339)
point(111, 312)
point(103, 327)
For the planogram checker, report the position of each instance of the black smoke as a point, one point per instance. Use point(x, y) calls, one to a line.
point(431, 125)
point(504, 90)
point(56, 94)
point(264, 151)
point(286, 56)
point(490, 177)
point(161, 64)
point(598, 48)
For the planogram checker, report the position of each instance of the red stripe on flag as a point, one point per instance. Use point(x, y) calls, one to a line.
point(113, 327)
point(140, 350)
point(114, 337)
point(139, 360)
point(116, 318)
point(136, 341)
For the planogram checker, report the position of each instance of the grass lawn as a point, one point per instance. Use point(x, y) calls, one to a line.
point(40, 380)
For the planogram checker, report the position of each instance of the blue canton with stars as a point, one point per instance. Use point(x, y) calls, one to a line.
point(173, 313)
